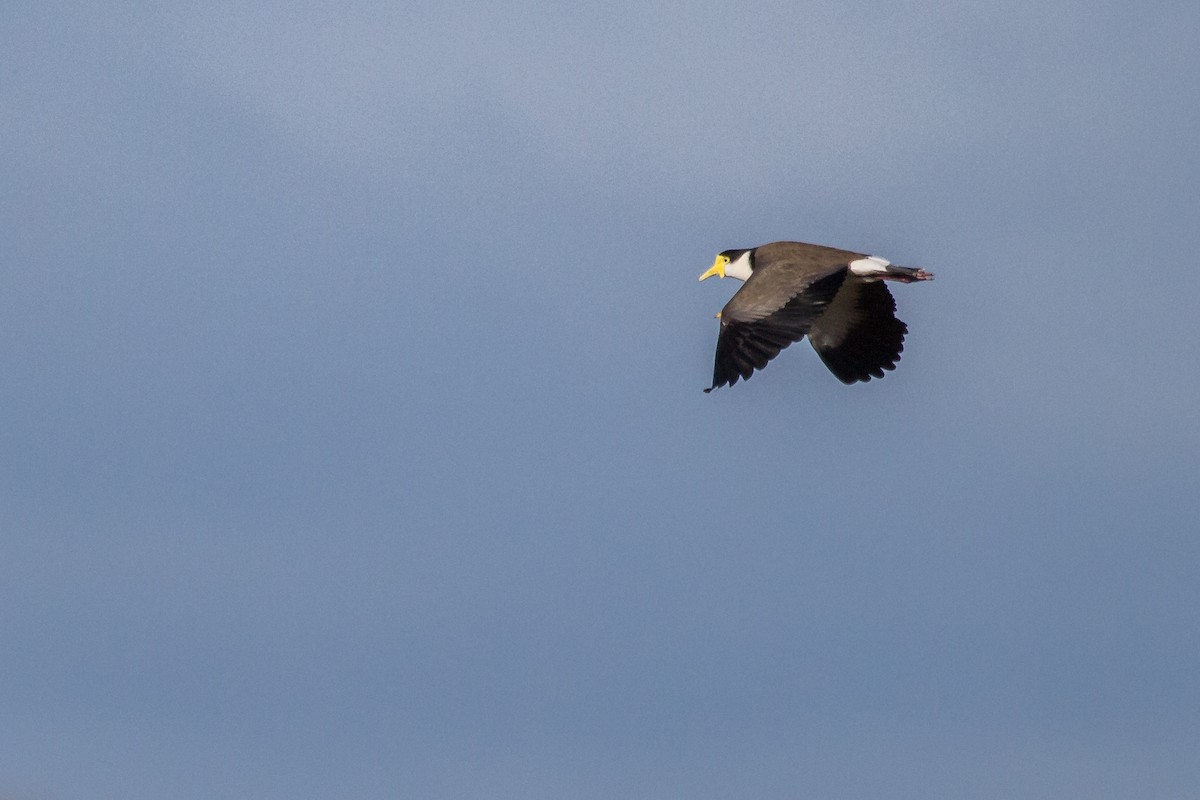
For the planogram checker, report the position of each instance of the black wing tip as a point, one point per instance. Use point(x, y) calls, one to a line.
point(864, 377)
point(851, 370)
point(720, 381)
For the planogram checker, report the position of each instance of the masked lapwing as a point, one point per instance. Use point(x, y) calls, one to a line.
point(837, 298)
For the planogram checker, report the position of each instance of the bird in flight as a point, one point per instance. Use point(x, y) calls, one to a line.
point(837, 298)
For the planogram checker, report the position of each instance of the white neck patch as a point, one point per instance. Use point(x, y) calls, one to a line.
point(739, 268)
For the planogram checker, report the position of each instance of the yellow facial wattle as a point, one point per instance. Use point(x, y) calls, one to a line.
point(718, 268)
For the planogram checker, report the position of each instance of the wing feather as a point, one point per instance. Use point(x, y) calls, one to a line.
point(752, 334)
point(859, 336)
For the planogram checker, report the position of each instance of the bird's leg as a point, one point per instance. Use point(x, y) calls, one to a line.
point(905, 274)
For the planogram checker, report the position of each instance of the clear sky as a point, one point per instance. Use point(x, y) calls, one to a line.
point(353, 442)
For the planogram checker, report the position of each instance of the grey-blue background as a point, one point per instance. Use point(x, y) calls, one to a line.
point(353, 442)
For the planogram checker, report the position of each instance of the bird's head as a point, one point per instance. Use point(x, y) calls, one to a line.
point(731, 264)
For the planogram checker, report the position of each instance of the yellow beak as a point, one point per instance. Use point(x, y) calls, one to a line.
point(718, 268)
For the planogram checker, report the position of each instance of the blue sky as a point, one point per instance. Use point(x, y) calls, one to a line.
point(353, 442)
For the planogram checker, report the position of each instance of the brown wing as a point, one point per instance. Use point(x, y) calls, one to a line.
point(752, 333)
point(858, 336)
